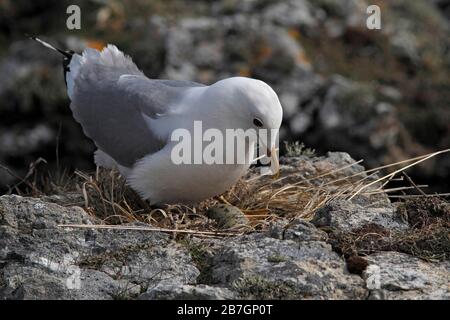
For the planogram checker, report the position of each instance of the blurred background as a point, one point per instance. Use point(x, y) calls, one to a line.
point(380, 95)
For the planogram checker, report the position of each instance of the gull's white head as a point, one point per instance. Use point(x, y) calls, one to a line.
point(245, 103)
point(251, 103)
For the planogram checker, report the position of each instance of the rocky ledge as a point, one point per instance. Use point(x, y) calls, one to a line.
point(350, 249)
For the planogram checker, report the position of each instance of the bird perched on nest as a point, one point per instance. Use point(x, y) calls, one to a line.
point(131, 119)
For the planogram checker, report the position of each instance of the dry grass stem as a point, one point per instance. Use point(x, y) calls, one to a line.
point(106, 196)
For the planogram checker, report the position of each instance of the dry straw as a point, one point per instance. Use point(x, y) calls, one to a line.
point(107, 198)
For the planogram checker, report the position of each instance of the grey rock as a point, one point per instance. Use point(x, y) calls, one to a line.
point(300, 122)
point(187, 292)
point(301, 230)
point(257, 266)
point(290, 102)
point(376, 295)
point(294, 259)
point(307, 165)
point(356, 110)
point(405, 44)
point(345, 216)
point(291, 13)
point(16, 143)
point(298, 230)
point(391, 93)
point(40, 260)
point(405, 277)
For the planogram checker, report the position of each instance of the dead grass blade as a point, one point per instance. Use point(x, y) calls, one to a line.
point(138, 228)
point(391, 175)
point(107, 198)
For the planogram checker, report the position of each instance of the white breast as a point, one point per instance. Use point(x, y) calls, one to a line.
point(159, 180)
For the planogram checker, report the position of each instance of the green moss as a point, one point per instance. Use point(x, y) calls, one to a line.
point(427, 238)
point(276, 258)
point(2, 281)
point(120, 257)
point(201, 255)
point(258, 288)
point(126, 293)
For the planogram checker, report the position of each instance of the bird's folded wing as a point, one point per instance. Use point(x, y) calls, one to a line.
point(109, 103)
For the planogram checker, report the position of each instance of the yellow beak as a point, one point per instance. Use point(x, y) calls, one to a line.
point(274, 163)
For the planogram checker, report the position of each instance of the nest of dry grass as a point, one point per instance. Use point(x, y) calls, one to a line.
point(261, 198)
point(106, 197)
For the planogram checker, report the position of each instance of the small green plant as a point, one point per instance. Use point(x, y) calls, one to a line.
point(256, 287)
point(276, 258)
point(201, 255)
point(297, 149)
point(127, 292)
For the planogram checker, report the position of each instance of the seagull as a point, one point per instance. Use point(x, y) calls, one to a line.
point(131, 119)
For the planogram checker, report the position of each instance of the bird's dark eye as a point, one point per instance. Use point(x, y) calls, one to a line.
point(257, 122)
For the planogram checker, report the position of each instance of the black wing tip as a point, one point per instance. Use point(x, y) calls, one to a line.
point(66, 53)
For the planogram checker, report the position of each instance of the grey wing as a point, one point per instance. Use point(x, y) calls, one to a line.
point(109, 104)
point(181, 83)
